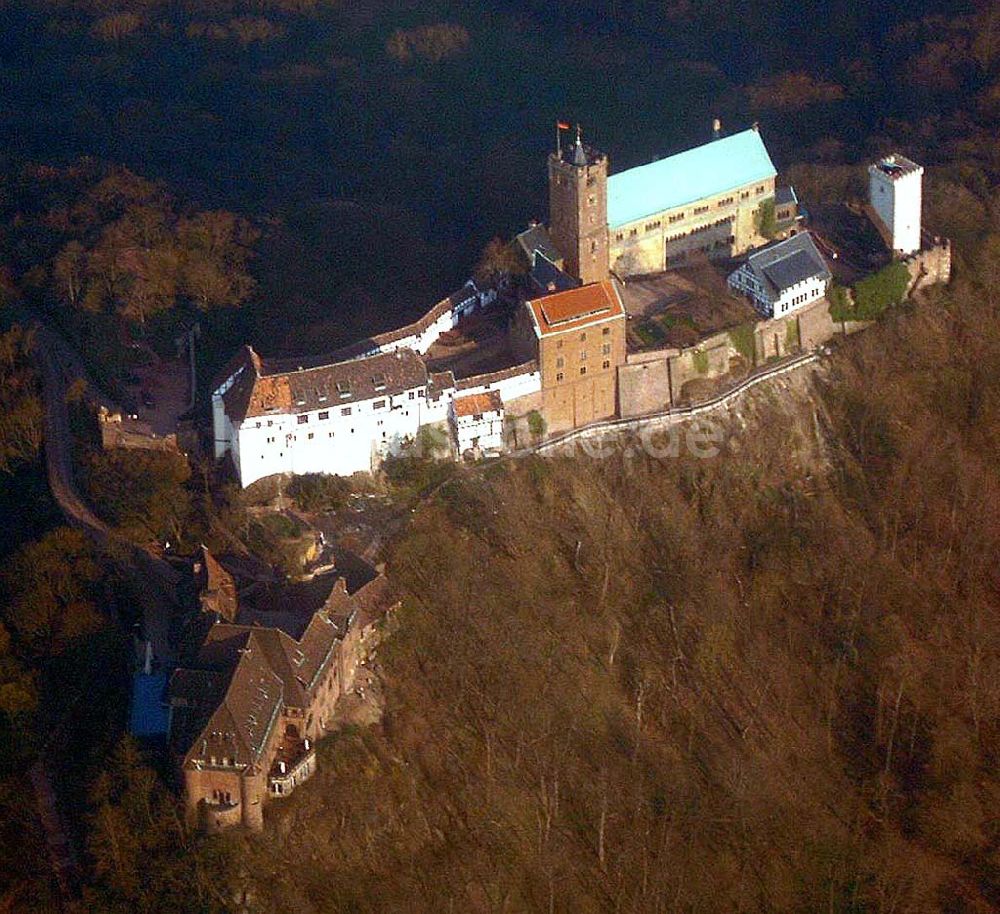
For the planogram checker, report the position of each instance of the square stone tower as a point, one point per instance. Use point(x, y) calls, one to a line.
point(578, 210)
point(895, 192)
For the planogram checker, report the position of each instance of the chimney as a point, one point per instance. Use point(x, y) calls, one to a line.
point(716, 129)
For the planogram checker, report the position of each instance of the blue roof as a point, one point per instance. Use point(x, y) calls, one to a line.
point(704, 171)
point(150, 716)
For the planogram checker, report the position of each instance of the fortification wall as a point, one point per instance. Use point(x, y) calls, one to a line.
point(644, 388)
point(931, 266)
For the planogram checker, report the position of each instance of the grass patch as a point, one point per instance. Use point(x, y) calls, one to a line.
point(792, 338)
point(872, 295)
point(699, 359)
point(742, 339)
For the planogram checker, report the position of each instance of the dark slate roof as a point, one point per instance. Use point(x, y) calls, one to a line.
point(785, 195)
point(781, 265)
point(785, 273)
point(537, 238)
point(547, 277)
point(326, 386)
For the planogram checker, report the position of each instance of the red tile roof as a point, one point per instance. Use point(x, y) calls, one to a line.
point(576, 308)
point(475, 404)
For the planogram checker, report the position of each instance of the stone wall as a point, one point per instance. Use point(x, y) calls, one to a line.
point(930, 266)
point(644, 388)
point(134, 435)
point(652, 381)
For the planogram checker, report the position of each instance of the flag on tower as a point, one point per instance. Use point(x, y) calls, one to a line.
point(562, 125)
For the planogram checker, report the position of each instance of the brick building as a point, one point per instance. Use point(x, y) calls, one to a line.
point(249, 702)
point(580, 340)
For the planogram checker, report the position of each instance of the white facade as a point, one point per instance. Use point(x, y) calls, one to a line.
point(745, 282)
point(783, 276)
point(482, 431)
point(339, 439)
point(444, 316)
point(895, 191)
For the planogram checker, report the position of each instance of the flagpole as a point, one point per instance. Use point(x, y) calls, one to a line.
point(558, 142)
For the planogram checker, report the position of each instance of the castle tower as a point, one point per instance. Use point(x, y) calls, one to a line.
point(578, 209)
point(895, 193)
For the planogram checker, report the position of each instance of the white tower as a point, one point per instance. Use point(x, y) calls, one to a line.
point(895, 186)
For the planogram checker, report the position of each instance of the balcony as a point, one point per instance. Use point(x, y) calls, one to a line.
point(294, 763)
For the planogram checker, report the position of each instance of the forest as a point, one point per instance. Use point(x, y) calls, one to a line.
point(762, 682)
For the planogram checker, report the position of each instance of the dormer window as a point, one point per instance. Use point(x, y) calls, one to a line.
point(344, 388)
point(379, 381)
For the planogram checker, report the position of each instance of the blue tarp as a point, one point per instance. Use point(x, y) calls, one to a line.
point(704, 171)
point(149, 717)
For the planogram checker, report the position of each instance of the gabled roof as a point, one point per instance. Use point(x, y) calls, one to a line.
point(243, 675)
point(576, 308)
point(259, 393)
point(715, 167)
point(785, 195)
point(781, 265)
point(239, 726)
point(547, 277)
point(537, 239)
point(216, 587)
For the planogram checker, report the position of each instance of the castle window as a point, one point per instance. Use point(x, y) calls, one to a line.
point(583, 337)
point(258, 425)
point(619, 236)
point(560, 362)
point(698, 210)
point(745, 195)
point(606, 349)
point(591, 200)
point(652, 226)
point(559, 344)
point(591, 180)
point(606, 364)
point(302, 420)
point(345, 411)
point(378, 404)
point(583, 355)
point(412, 395)
point(311, 436)
point(324, 415)
point(633, 232)
point(606, 331)
point(559, 375)
point(269, 423)
point(583, 369)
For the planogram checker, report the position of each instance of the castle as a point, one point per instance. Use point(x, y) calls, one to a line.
point(252, 695)
point(254, 691)
point(347, 412)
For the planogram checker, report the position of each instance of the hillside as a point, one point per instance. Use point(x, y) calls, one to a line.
point(763, 681)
